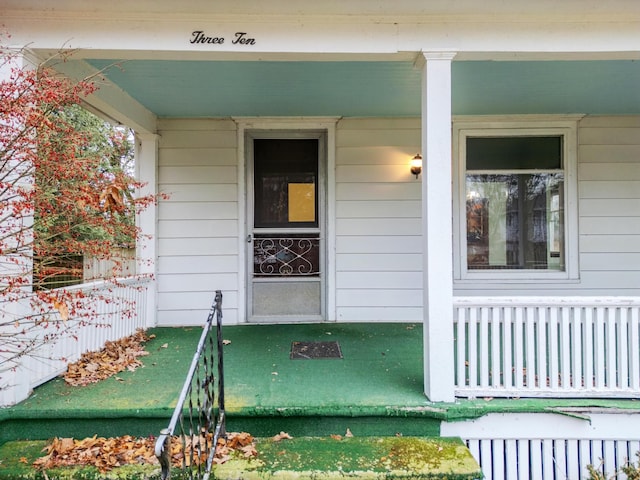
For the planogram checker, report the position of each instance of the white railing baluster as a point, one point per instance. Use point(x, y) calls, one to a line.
point(507, 366)
point(473, 348)
point(634, 350)
point(622, 357)
point(600, 346)
point(578, 336)
point(461, 341)
point(555, 350)
point(496, 346)
point(485, 351)
point(530, 347)
point(543, 374)
point(588, 355)
point(612, 370)
point(518, 350)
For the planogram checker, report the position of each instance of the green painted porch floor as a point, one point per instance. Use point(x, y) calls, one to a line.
point(375, 390)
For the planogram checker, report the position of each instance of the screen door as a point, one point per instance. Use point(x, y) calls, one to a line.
point(285, 244)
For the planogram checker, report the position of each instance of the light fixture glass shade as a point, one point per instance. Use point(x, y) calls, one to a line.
point(416, 165)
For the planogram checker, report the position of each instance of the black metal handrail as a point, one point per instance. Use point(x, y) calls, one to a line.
point(195, 423)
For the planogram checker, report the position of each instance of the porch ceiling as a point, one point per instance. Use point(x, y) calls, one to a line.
point(172, 88)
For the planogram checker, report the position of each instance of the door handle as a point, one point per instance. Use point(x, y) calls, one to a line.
point(249, 238)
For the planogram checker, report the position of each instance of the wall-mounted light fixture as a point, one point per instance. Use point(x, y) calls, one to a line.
point(416, 165)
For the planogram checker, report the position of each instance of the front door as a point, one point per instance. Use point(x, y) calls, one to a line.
point(285, 227)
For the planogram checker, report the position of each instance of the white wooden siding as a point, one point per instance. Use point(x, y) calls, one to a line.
point(609, 204)
point(377, 219)
point(378, 226)
point(198, 228)
point(609, 216)
point(198, 225)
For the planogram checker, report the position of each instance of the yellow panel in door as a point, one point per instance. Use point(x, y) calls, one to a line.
point(302, 202)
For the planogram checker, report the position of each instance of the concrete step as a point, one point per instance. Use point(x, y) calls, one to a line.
point(303, 458)
point(355, 457)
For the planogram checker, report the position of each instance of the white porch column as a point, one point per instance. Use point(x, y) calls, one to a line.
point(146, 248)
point(17, 172)
point(437, 227)
point(15, 376)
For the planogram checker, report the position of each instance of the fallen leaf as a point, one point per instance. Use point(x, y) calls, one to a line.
point(336, 437)
point(226, 342)
point(62, 309)
point(281, 436)
point(24, 460)
point(164, 345)
point(92, 367)
point(66, 444)
point(108, 453)
point(115, 357)
point(348, 434)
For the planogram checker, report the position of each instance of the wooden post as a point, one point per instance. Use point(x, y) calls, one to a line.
point(146, 248)
point(437, 227)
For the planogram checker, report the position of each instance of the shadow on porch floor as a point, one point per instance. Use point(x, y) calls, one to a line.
point(375, 389)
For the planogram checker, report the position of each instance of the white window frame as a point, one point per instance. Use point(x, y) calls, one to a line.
point(565, 126)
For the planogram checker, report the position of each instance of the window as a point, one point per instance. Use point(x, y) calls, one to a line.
point(513, 193)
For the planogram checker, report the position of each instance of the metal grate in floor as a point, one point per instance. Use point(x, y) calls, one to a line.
point(315, 350)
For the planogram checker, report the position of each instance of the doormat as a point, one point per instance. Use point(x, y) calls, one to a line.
point(314, 350)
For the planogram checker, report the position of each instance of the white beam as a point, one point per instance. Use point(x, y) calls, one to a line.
point(500, 33)
point(437, 227)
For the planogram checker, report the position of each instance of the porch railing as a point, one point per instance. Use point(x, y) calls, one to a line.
point(196, 425)
point(113, 310)
point(549, 346)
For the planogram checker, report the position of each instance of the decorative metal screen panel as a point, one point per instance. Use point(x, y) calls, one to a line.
point(286, 256)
